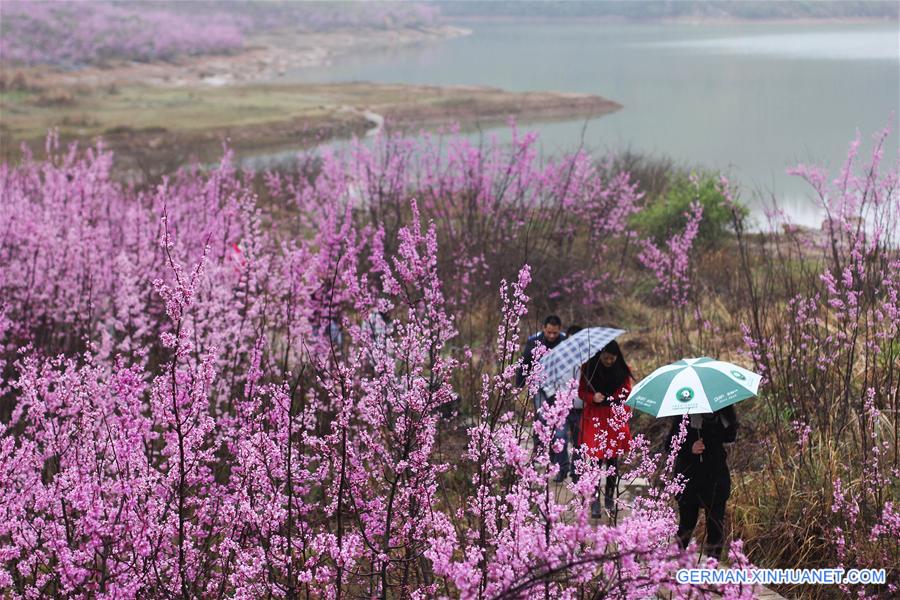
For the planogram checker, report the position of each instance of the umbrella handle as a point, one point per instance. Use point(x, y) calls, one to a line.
point(700, 439)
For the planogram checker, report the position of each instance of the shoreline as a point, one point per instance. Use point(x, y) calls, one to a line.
point(156, 129)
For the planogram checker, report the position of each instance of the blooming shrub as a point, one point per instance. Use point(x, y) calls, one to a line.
point(195, 401)
point(820, 321)
point(78, 32)
point(194, 405)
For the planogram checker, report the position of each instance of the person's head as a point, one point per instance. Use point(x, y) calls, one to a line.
point(607, 358)
point(552, 325)
point(573, 329)
point(607, 370)
point(611, 353)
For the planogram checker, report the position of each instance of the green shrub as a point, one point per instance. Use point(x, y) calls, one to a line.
point(664, 215)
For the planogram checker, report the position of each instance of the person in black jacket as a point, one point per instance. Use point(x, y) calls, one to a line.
point(550, 337)
point(702, 459)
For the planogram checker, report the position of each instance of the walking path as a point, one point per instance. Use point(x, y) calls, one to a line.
point(627, 492)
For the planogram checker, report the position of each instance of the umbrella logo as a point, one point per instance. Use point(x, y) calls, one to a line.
point(685, 394)
point(738, 375)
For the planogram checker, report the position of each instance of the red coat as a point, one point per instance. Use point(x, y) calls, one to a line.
point(595, 419)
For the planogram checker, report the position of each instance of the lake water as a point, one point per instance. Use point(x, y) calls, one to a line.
point(749, 99)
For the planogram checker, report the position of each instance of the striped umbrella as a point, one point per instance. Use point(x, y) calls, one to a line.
point(563, 363)
point(692, 386)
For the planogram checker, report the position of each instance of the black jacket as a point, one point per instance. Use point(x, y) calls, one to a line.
point(527, 354)
point(710, 477)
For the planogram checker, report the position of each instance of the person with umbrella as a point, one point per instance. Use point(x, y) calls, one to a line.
point(702, 459)
point(706, 389)
point(605, 382)
point(562, 368)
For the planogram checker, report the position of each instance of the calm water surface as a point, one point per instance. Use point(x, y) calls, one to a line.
point(749, 99)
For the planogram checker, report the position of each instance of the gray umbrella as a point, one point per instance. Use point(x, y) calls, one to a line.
point(563, 363)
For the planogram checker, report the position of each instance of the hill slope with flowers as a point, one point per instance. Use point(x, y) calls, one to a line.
point(192, 403)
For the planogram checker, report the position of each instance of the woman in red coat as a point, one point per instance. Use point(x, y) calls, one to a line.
point(605, 379)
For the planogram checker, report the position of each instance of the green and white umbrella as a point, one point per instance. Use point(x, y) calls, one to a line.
point(692, 386)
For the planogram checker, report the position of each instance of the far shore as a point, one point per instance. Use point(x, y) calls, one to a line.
point(158, 116)
point(615, 20)
point(157, 128)
point(268, 58)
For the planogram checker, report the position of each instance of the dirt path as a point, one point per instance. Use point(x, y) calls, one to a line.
point(626, 493)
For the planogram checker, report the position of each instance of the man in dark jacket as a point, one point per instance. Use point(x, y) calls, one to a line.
point(549, 337)
point(702, 459)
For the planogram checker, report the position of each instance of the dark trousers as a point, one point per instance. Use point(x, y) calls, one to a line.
point(689, 512)
point(571, 426)
point(612, 481)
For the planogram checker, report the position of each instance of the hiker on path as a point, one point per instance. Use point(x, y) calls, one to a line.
point(605, 382)
point(549, 337)
point(702, 459)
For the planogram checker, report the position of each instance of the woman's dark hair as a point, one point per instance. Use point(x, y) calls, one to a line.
point(573, 329)
point(607, 380)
